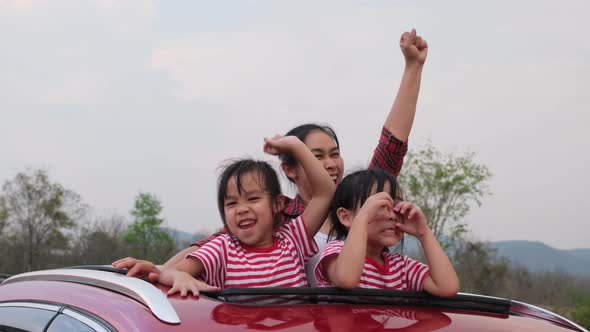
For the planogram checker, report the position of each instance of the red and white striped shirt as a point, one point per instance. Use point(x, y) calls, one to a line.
point(398, 272)
point(229, 263)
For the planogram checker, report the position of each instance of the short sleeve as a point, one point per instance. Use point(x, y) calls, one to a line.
point(416, 272)
point(213, 256)
point(332, 248)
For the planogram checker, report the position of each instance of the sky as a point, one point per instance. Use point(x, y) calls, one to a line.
point(114, 98)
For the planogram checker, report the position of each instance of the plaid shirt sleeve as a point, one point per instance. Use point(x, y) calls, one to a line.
point(389, 153)
point(202, 242)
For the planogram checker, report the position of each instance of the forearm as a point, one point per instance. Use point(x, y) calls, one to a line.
point(178, 257)
point(321, 184)
point(401, 117)
point(442, 272)
point(322, 189)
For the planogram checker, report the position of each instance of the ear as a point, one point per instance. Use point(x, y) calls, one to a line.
point(289, 171)
point(345, 216)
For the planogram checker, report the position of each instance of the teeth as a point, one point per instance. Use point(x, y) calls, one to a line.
point(246, 223)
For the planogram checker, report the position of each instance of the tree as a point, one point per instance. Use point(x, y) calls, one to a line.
point(479, 268)
point(445, 187)
point(99, 241)
point(149, 240)
point(39, 213)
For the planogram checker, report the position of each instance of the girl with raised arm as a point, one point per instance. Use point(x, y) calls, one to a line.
point(258, 250)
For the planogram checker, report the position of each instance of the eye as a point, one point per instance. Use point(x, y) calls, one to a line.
point(253, 198)
point(230, 203)
point(318, 156)
point(335, 155)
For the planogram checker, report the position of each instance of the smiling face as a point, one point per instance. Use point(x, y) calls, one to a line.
point(324, 148)
point(249, 211)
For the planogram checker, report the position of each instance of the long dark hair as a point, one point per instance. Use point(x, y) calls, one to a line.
point(264, 173)
point(353, 191)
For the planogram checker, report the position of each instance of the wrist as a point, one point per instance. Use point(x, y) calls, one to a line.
point(425, 235)
point(414, 67)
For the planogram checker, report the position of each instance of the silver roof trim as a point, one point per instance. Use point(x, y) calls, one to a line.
point(139, 290)
point(550, 313)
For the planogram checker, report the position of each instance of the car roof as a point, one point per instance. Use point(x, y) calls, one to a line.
point(137, 306)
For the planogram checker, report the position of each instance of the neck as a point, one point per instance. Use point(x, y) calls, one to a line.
point(326, 226)
point(375, 251)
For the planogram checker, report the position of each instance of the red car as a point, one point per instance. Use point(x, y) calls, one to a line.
point(100, 298)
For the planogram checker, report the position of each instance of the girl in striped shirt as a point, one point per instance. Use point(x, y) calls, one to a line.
point(365, 213)
point(257, 251)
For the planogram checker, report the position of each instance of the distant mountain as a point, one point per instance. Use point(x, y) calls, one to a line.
point(185, 238)
point(581, 253)
point(537, 257)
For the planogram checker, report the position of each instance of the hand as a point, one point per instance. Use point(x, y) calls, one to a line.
point(279, 144)
point(377, 207)
point(185, 283)
point(414, 48)
point(413, 220)
point(138, 268)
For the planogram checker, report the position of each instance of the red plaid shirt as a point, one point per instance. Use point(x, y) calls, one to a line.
point(388, 155)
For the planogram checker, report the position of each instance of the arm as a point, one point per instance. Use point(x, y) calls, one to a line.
point(147, 270)
point(322, 187)
point(392, 147)
point(345, 269)
point(401, 117)
point(442, 280)
point(182, 278)
point(181, 255)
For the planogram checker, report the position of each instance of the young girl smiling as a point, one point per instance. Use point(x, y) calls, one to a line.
point(258, 251)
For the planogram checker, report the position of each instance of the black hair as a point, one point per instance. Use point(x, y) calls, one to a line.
point(354, 190)
point(301, 132)
point(267, 176)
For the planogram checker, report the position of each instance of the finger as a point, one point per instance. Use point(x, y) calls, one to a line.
point(172, 291)
point(183, 291)
point(153, 276)
point(403, 40)
point(208, 288)
point(133, 271)
point(404, 207)
point(412, 213)
point(125, 262)
point(194, 290)
point(418, 41)
point(423, 45)
point(412, 37)
point(398, 207)
point(402, 227)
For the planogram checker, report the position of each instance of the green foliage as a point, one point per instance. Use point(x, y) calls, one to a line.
point(39, 214)
point(445, 187)
point(147, 238)
point(479, 269)
point(581, 313)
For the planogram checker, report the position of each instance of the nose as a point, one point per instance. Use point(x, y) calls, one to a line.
point(329, 163)
point(242, 209)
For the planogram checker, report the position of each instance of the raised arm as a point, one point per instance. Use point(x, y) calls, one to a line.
point(345, 269)
point(401, 117)
point(443, 280)
point(321, 186)
point(392, 147)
